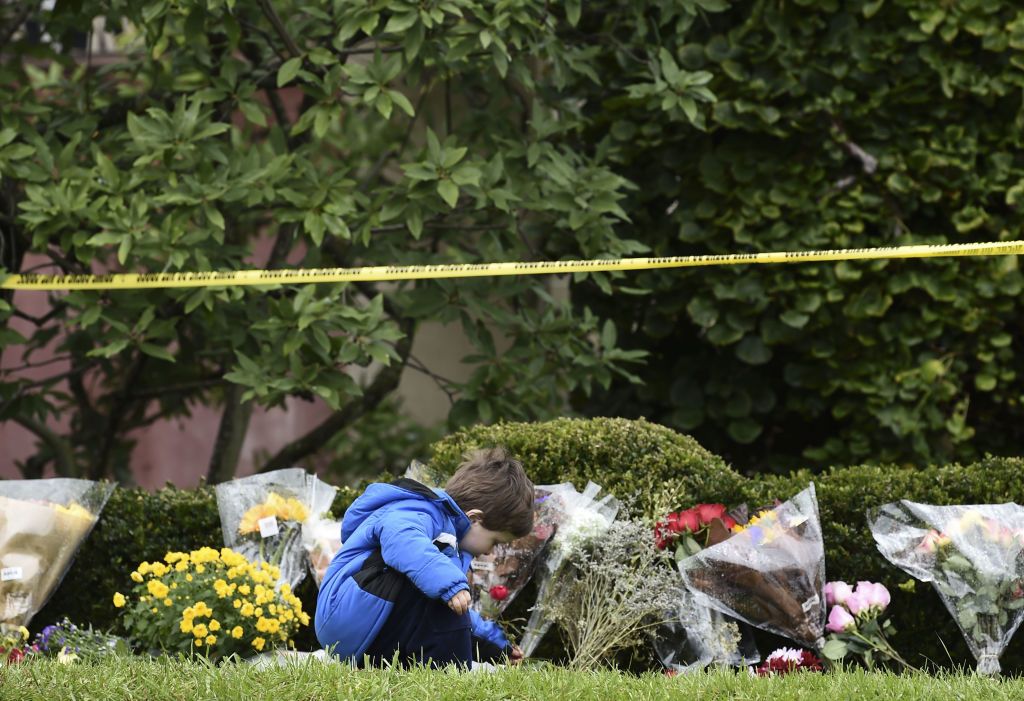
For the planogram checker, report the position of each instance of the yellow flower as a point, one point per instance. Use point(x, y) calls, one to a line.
point(258, 643)
point(144, 568)
point(277, 506)
point(210, 639)
point(259, 611)
point(181, 566)
point(153, 610)
point(200, 569)
point(214, 625)
point(157, 588)
point(186, 625)
point(237, 603)
point(198, 642)
point(236, 632)
point(167, 602)
point(136, 577)
point(244, 590)
point(247, 609)
point(188, 578)
point(200, 631)
point(119, 600)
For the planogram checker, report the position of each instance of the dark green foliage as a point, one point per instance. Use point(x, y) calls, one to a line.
point(837, 124)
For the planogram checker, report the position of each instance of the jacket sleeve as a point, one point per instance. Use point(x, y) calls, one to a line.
point(406, 539)
point(489, 638)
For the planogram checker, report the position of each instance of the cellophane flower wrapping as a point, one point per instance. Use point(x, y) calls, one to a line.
point(972, 555)
point(770, 575)
point(698, 636)
point(42, 524)
point(262, 517)
point(579, 519)
point(321, 538)
point(497, 579)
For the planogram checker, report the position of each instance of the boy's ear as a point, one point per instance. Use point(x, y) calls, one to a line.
point(475, 515)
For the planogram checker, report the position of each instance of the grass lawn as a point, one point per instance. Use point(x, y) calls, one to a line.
point(143, 679)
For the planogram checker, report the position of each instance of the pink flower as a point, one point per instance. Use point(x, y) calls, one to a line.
point(855, 603)
point(837, 592)
point(873, 595)
point(840, 621)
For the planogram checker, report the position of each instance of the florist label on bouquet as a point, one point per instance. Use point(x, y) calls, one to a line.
point(480, 566)
point(268, 527)
point(11, 574)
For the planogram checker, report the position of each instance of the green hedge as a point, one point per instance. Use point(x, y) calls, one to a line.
point(649, 465)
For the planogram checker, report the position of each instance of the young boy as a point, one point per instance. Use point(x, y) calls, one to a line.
point(399, 584)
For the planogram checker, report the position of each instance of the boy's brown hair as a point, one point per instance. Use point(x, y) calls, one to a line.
point(496, 483)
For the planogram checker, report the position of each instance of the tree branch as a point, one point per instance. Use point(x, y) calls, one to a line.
point(271, 14)
point(63, 455)
point(234, 425)
point(383, 385)
point(117, 412)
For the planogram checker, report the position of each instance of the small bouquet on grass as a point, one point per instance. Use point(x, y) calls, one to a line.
point(580, 521)
point(14, 645)
point(215, 603)
point(69, 643)
point(855, 623)
point(262, 517)
point(786, 660)
point(42, 525)
point(770, 573)
point(695, 635)
point(972, 555)
point(610, 593)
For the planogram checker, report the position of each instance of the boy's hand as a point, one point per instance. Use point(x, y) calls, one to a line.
point(515, 655)
point(460, 602)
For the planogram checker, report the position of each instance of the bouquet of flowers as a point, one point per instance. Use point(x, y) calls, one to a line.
point(580, 519)
point(69, 643)
point(695, 635)
point(786, 660)
point(262, 517)
point(14, 645)
point(770, 573)
point(856, 625)
point(42, 524)
point(496, 579)
point(972, 555)
point(216, 603)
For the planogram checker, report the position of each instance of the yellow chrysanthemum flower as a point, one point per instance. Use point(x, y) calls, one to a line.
point(200, 630)
point(214, 625)
point(237, 632)
point(258, 643)
point(168, 602)
point(136, 577)
point(119, 600)
point(210, 639)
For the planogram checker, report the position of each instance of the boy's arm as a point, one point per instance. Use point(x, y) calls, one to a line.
point(407, 544)
point(489, 639)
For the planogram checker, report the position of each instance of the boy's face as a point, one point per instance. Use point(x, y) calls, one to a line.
point(480, 541)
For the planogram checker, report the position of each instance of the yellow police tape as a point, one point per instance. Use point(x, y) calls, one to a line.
point(132, 281)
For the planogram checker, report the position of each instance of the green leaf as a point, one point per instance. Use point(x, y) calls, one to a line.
point(449, 192)
point(835, 649)
point(157, 352)
point(403, 102)
point(608, 334)
point(288, 70)
point(572, 11)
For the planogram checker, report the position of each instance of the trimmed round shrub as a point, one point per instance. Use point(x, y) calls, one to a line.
point(650, 467)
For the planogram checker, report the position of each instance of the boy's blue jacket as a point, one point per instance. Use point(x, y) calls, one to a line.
point(393, 531)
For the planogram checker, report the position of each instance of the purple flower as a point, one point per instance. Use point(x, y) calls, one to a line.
point(840, 621)
point(837, 592)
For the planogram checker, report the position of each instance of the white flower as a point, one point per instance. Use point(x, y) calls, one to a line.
point(787, 654)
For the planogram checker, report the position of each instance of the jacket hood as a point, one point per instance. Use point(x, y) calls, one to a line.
point(381, 494)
